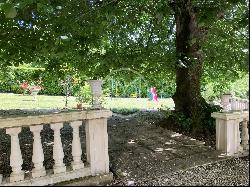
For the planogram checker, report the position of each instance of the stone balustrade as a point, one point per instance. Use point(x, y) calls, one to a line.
point(232, 135)
point(231, 103)
point(95, 122)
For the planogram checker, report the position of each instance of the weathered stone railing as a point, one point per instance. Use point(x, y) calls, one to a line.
point(96, 147)
point(230, 138)
point(230, 103)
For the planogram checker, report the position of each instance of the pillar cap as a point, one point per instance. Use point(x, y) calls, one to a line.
point(231, 115)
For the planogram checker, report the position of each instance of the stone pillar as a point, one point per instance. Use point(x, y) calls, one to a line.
point(16, 160)
point(1, 178)
point(38, 156)
point(227, 132)
point(97, 145)
point(76, 146)
point(245, 135)
point(58, 154)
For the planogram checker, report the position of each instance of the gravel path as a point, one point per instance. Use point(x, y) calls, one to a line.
point(233, 172)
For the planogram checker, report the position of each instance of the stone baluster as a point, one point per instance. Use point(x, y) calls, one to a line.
point(236, 103)
point(244, 135)
point(16, 160)
point(232, 103)
point(38, 156)
point(1, 178)
point(245, 104)
point(239, 103)
point(58, 154)
point(76, 146)
point(238, 133)
point(242, 104)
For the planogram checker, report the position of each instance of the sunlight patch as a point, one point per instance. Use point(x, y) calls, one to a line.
point(171, 149)
point(176, 135)
point(158, 150)
point(202, 143)
point(131, 141)
point(222, 155)
point(49, 143)
point(130, 183)
point(168, 143)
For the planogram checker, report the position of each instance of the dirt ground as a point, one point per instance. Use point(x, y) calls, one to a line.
point(141, 151)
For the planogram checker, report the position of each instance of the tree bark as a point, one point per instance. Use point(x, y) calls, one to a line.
point(187, 97)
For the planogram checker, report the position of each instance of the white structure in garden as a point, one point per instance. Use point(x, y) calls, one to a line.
point(232, 136)
point(95, 122)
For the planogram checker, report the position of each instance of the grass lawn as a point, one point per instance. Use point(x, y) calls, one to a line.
point(139, 103)
point(19, 101)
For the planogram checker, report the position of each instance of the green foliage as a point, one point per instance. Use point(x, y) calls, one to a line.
point(12, 77)
point(239, 87)
point(125, 111)
point(83, 95)
point(185, 123)
point(97, 38)
point(209, 122)
point(93, 38)
point(181, 120)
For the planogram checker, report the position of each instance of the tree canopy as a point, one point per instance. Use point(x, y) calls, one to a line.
point(164, 40)
point(96, 36)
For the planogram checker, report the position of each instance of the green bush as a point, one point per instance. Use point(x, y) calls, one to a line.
point(125, 111)
point(12, 77)
point(84, 94)
point(181, 120)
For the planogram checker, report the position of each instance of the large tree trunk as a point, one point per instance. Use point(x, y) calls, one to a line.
point(187, 97)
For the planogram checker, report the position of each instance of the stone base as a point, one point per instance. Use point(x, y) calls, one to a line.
point(50, 178)
point(99, 180)
point(61, 169)
point(38, 173)
point(77, 166)
point(246, 147)
point(17, 177)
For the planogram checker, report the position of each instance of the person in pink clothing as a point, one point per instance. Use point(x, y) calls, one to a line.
point(154, 94)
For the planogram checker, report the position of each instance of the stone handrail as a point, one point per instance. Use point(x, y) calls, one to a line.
point(229, 138)
point(96, 147)
point(231, 103)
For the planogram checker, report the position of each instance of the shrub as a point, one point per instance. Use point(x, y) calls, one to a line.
point(12, 77)
point(125, 111)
